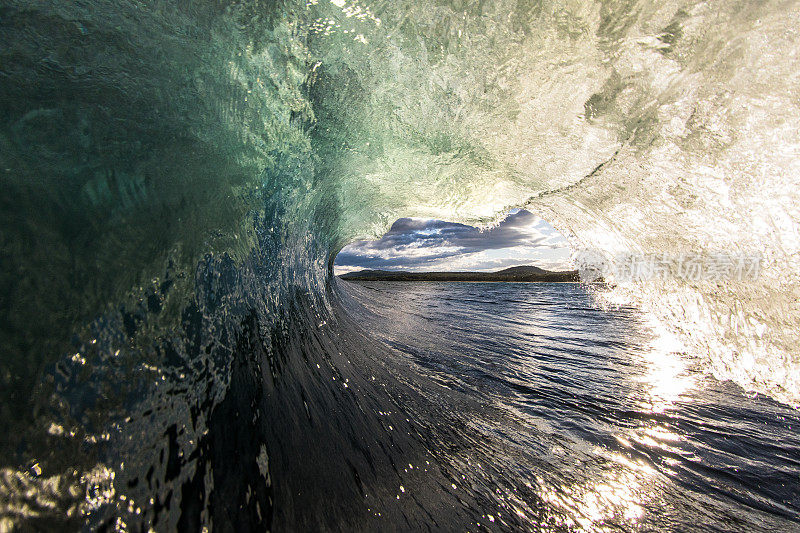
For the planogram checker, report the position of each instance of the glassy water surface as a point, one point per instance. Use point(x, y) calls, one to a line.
point(586, 418)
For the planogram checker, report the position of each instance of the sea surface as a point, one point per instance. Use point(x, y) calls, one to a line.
point(575, 416)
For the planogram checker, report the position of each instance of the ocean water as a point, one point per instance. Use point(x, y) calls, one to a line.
point(177, 178)
point(580, 417)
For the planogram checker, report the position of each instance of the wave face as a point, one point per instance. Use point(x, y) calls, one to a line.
point(179, 177)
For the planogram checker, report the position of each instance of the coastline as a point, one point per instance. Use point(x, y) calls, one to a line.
point(520, 274)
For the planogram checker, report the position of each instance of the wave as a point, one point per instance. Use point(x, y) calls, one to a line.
point(180, 177)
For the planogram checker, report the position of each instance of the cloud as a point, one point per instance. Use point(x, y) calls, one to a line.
point(429, 244)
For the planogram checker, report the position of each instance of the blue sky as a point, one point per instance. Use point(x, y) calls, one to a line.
point(420, 244)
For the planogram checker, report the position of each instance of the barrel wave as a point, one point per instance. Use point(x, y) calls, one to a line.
point(178, 177)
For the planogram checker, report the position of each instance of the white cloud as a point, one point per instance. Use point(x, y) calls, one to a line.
point(426, 244)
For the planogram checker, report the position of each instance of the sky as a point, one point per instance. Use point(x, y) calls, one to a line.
point(420, 244)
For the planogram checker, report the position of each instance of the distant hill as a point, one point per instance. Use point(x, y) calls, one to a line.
point(514, 274)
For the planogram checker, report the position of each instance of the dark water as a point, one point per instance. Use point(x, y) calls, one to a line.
point(574, 416)
point(405, 407)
